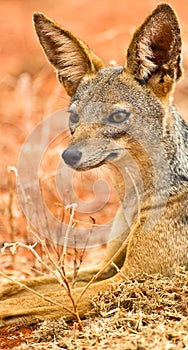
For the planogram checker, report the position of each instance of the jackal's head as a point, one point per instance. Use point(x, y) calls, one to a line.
point(115, 108)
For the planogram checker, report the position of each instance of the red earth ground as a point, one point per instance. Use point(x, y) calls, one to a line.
point(29, 92)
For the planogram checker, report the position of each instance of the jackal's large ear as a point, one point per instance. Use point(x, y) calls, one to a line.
point(154, 54)
point(70, 56)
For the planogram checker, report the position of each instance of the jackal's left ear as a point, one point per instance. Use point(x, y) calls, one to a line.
point(69, 55)
point(154, 54)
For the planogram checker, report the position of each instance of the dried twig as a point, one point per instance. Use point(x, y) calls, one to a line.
point(56, 270)
point(137, 193)
point(10, 170)
point(97, 275)
point(38, 294)
point(76, 266)
point(72, 208)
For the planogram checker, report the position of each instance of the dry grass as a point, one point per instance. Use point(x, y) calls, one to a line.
point(147, 312)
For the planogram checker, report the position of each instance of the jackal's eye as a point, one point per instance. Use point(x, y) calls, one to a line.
point(119, 117)
point(74, 118)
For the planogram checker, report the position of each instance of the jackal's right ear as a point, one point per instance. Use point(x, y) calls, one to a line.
point(69, 55)
point(154, 55)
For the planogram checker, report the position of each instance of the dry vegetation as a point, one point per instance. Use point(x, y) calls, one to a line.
point(148, 312)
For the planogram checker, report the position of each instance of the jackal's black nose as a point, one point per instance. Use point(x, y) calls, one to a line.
point(71, 156)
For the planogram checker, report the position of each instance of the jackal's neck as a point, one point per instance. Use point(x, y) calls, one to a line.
point(175, 141)
point(148, 177)
point(134, 183)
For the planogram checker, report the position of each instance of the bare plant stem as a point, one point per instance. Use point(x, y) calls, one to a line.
point(97, 275)
point(10, 204)
point(76, 266)
point(55, 272)
point(58, 272)
point(10, 171)
point(38, 294)
point(72, 211)
point(137, 193)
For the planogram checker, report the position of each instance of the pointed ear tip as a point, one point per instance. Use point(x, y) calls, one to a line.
point(37, 16)
point(165, 7)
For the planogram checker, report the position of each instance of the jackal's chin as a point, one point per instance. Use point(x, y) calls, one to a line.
point(87, 166)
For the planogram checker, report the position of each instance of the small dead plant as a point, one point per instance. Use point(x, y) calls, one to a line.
point(55, 268)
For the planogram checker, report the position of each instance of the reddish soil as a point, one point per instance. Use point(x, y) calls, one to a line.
point(29, 92)
point(13, 336)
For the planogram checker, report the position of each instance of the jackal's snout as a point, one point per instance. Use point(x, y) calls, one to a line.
point(71, 156)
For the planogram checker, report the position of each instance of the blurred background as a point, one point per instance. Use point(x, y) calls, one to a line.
point(28, 87)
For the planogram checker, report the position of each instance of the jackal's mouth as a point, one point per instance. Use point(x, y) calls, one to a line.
point(111, 156)
point(86, 166)
point(73, 158)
